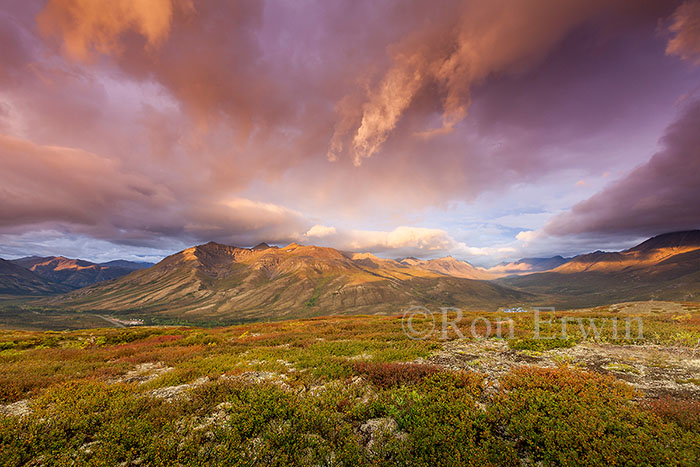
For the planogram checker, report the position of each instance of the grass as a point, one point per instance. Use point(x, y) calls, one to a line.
point(386, 375)
point(553, 416)
point(306, 392)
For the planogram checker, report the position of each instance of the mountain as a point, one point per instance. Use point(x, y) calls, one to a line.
point(449, 266)
point(664, 267)
point(527, 266)
point(77, 273)
point(674, 240)
point(130, 265)
point(215, 281)
point(643, 258)
point(16, 280)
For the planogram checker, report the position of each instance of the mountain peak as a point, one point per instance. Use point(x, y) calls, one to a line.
point(365, 255)
point(214, 249)
point(449, 259)
point(261, 246)
point(17, 280)
point(213, 244)
point(230, 282)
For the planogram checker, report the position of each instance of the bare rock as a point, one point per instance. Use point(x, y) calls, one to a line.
point(375, 430)
point(16, 409)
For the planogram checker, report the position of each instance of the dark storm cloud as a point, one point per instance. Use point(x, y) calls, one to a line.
point(659, 196)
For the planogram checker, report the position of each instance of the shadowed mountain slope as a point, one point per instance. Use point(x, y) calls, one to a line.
point(77, 273)
point(16, 280)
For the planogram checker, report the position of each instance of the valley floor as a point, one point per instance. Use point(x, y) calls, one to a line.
point(357, 391)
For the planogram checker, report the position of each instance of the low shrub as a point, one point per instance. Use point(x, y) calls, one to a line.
point(442, 424)
point(541, 344)
point(567, 417)
point(386, 375)
point(684, 412)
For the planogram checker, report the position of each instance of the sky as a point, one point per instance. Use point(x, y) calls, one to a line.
point(488, 130)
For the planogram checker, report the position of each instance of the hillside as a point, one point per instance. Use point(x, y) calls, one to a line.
point(77, 273)
point(16, 280)
point(665, 267)
point(215, 281)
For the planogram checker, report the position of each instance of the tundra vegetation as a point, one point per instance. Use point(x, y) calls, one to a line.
point(355, 391)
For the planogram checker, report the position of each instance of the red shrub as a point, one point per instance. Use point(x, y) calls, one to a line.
point(684, 412)
point(385, 375)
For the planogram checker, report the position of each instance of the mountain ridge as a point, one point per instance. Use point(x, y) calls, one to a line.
point(217, 280)
point(76, 273)
point(666, 267)
point(16, 280)
point(527, 265)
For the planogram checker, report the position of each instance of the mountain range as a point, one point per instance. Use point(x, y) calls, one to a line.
point(16, 280)
point(221, 281)
point(215, 281)
point(665, 267)
point(36, 275)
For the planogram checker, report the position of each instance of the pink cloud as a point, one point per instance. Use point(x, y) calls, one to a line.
point(216, 119)
point(686, 31)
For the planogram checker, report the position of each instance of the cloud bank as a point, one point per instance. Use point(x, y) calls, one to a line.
point(659, 196)
point(356, 125)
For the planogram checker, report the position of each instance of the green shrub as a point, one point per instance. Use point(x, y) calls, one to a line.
point(541, 344)
point(443, 424)
point(567, 417)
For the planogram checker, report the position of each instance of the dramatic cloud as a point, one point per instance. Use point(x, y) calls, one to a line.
point(86, 25)
point(659, 196)
point(46, 186)
point(472, 41)
point(686, 29)
point(402, 241)
point(396, 127)
point(57, 184)
point(402, 238)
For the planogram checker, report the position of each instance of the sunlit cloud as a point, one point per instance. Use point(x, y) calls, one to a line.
point(390, 127)
point(88, 27)
point(686, 32)
point(320, 231)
